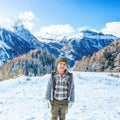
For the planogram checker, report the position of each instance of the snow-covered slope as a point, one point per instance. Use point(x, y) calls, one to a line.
point(12, 45)
point(97, 97)
point(20, 30)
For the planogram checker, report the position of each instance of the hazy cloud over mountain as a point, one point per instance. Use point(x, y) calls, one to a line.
point(112, 28)
point(29, 19)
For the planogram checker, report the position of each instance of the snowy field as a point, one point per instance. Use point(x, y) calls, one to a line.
point(97, 97)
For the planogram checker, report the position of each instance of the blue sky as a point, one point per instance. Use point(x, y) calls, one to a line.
point(95, 14)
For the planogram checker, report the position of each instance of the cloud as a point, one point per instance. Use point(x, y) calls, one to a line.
point(112, 28)
point(26, 16)
point(28, 19)
point(79, 29)
point(5, 22)
point(56, 30)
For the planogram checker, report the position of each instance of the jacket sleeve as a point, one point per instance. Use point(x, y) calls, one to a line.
point(49, 89)
point(72, 91)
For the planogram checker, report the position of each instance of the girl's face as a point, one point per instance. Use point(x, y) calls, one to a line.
point(61, 66)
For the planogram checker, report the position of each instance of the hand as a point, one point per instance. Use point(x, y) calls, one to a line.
point(70, 105)
point(48, 103)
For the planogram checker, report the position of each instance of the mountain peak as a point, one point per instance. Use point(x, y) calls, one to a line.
point(96, 35)
point(25, 34)
point(19, 29)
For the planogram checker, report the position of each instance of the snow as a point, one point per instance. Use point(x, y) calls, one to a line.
point(97, 97)
point(91, 34)
point(3, 45)
point(1, 63)
point(3, 51)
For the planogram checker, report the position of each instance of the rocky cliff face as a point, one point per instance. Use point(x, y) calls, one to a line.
point(107, 59)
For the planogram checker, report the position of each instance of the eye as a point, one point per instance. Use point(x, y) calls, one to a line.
point(60, 63)
point(64, 64)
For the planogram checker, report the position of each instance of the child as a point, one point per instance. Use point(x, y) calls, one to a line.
point(60, 90)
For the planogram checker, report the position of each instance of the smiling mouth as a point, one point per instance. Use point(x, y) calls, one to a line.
point(61, 67)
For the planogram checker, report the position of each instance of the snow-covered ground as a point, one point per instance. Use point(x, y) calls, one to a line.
point(97, 97)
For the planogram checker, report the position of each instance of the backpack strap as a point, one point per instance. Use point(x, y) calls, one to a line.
point(69, 83)
point(53, 80)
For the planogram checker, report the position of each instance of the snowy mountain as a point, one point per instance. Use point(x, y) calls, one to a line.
point(16, 43)
point(20, 41)
point(96, 97)
point(75, 47)
point(12, 45)
point(24, 33)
